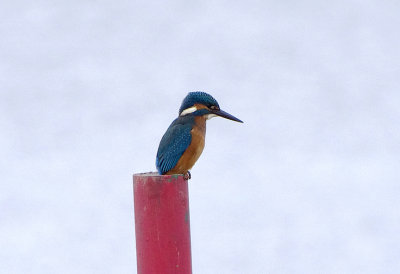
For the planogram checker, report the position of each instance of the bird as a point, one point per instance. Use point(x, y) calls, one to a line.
point(183, 142)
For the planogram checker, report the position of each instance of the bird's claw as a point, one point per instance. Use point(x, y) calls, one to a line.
point(187, 175)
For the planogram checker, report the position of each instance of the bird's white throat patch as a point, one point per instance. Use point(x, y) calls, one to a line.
point(209, 116)
point(189, 110)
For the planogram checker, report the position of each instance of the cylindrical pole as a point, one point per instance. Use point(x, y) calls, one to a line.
point(162, 224)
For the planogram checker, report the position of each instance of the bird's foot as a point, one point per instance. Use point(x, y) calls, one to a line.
point(187, 176)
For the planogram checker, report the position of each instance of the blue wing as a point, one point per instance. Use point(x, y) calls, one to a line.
point(173, 144)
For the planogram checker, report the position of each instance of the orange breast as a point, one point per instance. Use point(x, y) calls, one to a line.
point(194, 150)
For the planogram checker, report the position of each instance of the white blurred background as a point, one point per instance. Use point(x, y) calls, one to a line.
point(310, 183)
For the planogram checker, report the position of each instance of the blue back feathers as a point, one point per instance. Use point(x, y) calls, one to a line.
point(197, 97)
point(174, 143)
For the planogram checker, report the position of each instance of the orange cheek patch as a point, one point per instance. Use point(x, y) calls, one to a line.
point(200, 106)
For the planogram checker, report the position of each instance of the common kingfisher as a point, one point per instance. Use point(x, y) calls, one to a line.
point(183, 142)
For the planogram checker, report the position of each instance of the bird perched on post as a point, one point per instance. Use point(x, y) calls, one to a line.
point(183, 142)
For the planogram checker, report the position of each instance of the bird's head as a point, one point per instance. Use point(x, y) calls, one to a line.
point(203, 104)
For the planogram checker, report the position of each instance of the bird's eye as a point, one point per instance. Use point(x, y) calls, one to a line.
point(214, 107)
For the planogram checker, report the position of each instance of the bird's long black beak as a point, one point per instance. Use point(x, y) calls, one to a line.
point(226, 115)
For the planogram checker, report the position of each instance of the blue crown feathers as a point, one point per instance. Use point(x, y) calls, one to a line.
point(197, 97)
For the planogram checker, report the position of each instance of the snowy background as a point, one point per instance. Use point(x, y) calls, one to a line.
point(310, 183)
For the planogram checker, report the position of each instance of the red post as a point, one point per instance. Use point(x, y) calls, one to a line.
point(162, 224)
